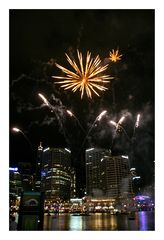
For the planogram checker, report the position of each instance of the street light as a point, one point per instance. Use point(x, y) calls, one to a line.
point(18, 130)
point(15, 129)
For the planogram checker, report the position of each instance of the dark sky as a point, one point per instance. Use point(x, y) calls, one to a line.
point(38, 39)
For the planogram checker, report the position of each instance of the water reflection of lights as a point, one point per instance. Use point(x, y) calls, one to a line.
point(76, 223)
point(98, 220)
point(105, 222)
point(137, 220)
point(113, 222)
point(143, 221)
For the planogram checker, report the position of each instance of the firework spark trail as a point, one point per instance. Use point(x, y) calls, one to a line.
point(113, 123)
point(44, 99)
point(22, 103)
point(136, 125)
point(137, 121)
point(73, 115)
point(18, 79)
point(115, 133)
point(87, 78)
point(118, 126)
point(101, 115)
point(98, 118)
point(58, 109)
point(60, 112)
point(28, 77)
point(79, 36)
point(121, 120)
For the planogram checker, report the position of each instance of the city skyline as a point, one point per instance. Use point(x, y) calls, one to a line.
point(39, 39)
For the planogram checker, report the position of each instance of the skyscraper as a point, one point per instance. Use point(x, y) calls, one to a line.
point(107, 175)
point(58, 177)
point(15, 183)
point(38, 168)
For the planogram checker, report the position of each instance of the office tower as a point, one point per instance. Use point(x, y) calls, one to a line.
point(37, 175)
point(106, 175)
point(25, 170)
point(58, 177)
point(15, 183)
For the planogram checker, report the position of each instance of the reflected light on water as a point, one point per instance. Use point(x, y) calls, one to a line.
point(143, 221)
point(113, 222)
point(98, 221)
point(76, 223)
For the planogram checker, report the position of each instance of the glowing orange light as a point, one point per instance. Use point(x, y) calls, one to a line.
point(86, 77)
point(114, 56)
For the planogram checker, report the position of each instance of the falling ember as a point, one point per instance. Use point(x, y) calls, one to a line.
point(137, 121)
point(114, 56)
point(86, 77)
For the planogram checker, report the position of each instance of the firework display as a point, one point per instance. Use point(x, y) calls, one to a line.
point(88, 77)
point(44, 99)
point(137, 121)
point(114, 56)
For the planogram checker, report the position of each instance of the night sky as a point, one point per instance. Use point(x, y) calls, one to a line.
point(38, 39)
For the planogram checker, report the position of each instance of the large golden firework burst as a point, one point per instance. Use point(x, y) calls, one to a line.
point(114, 56)
point(86, 77)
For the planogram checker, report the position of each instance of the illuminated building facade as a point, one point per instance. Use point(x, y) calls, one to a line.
point(106, 175)
point(20, 179)
point(38, 168)
point(25, 170)
point(57, 175)
point(136, 181)
point(15, 184)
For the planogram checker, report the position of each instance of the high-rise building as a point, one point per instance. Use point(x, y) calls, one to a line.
point(15, 183)
point(58, 177)
point(37, 177)
point(20, 179)
point(25, 170)
point(107, 175)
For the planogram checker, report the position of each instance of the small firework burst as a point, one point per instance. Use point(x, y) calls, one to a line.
point(86, 77)
point(114, 56)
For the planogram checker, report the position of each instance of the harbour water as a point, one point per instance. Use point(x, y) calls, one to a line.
point(143, 221)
